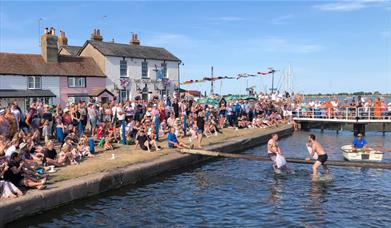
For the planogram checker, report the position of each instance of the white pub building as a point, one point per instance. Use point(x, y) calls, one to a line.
point(133, 70)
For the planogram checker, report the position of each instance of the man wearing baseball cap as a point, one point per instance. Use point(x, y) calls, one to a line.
point(359, 143)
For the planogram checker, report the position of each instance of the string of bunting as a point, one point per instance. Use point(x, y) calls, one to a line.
point(238, 76)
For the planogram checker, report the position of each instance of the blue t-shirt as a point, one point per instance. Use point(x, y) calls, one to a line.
point(171, 137)
point(359, 143)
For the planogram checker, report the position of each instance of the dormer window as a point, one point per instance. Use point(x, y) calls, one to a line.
point(123, 68)
point(34, 82)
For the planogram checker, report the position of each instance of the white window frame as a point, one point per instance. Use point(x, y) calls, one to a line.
point(123, 68)
point(77, 99)
point(35, 83)
point(77, 82)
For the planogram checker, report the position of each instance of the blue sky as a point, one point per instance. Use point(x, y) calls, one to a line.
point(338, 46)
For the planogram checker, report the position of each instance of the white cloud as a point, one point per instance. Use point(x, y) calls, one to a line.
point(282, 20)
point(347, 6)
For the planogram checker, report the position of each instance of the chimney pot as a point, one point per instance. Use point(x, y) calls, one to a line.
point(96, 35)
point(134, 40)
point(62, 40)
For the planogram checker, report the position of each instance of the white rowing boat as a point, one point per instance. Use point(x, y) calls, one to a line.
point(361, 155)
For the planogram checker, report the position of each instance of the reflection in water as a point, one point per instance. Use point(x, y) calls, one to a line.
point(275, 189)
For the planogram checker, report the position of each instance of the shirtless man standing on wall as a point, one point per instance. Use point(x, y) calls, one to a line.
point(322, 155)
point(273, 149)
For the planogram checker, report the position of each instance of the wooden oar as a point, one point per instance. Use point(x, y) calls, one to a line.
point(379, 165)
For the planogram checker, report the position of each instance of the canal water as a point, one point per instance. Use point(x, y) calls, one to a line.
point(233, 193)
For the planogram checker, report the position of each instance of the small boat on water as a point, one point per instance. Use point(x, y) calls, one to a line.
point(361, 155)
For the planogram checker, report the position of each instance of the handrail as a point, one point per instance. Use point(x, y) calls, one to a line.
point(348, 113)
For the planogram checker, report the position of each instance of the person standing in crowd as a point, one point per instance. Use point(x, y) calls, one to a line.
point(93, 117)
point(17, 113)
point(200, 128)
point(83, 115)
point(120, 117)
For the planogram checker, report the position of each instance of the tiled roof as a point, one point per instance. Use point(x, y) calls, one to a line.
point(73, 50)
point(14, 93)
point(29, 64)
point(132, 51)
point(98, 92)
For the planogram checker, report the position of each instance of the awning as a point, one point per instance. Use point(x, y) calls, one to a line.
point(21, 93)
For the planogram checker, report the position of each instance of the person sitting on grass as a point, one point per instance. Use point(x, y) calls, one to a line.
point(7, 189)
point(173, 141)
point(83, 147)
point(107, 143)
point(69, 151)
point(51, 157)
point(143, 141)
point(15, 174)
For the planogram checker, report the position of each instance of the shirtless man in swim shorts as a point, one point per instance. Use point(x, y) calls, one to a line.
point(322, 155)
point(273, 149)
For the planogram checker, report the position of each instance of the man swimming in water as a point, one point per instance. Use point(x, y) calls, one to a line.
point(322, 155)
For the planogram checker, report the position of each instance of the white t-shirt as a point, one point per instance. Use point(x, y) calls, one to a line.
point(120, 113)
point(10, 151)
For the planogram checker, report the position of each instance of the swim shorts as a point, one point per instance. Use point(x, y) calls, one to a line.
point(322, 158)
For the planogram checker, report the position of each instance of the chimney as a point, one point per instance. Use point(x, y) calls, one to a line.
point(49, 48)
point(95, 35)
point(134, 39)
point(62, 39)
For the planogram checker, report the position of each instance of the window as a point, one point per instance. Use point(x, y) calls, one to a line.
point(123, 68)
point(144, 69)
point(76, 82)
point(123, 95)
point(77, 99)
point(34, 82)
point(164, 69)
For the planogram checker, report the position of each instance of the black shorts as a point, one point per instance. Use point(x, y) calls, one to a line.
point(143, 147)
point(322, 158)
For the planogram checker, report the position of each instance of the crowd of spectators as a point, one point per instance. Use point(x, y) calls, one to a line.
point(44, 136)
point(346, 108)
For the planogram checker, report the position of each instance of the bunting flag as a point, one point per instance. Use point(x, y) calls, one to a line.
point(191, 82)
point(245, 75)
point(271, 70)
point(217, 78)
